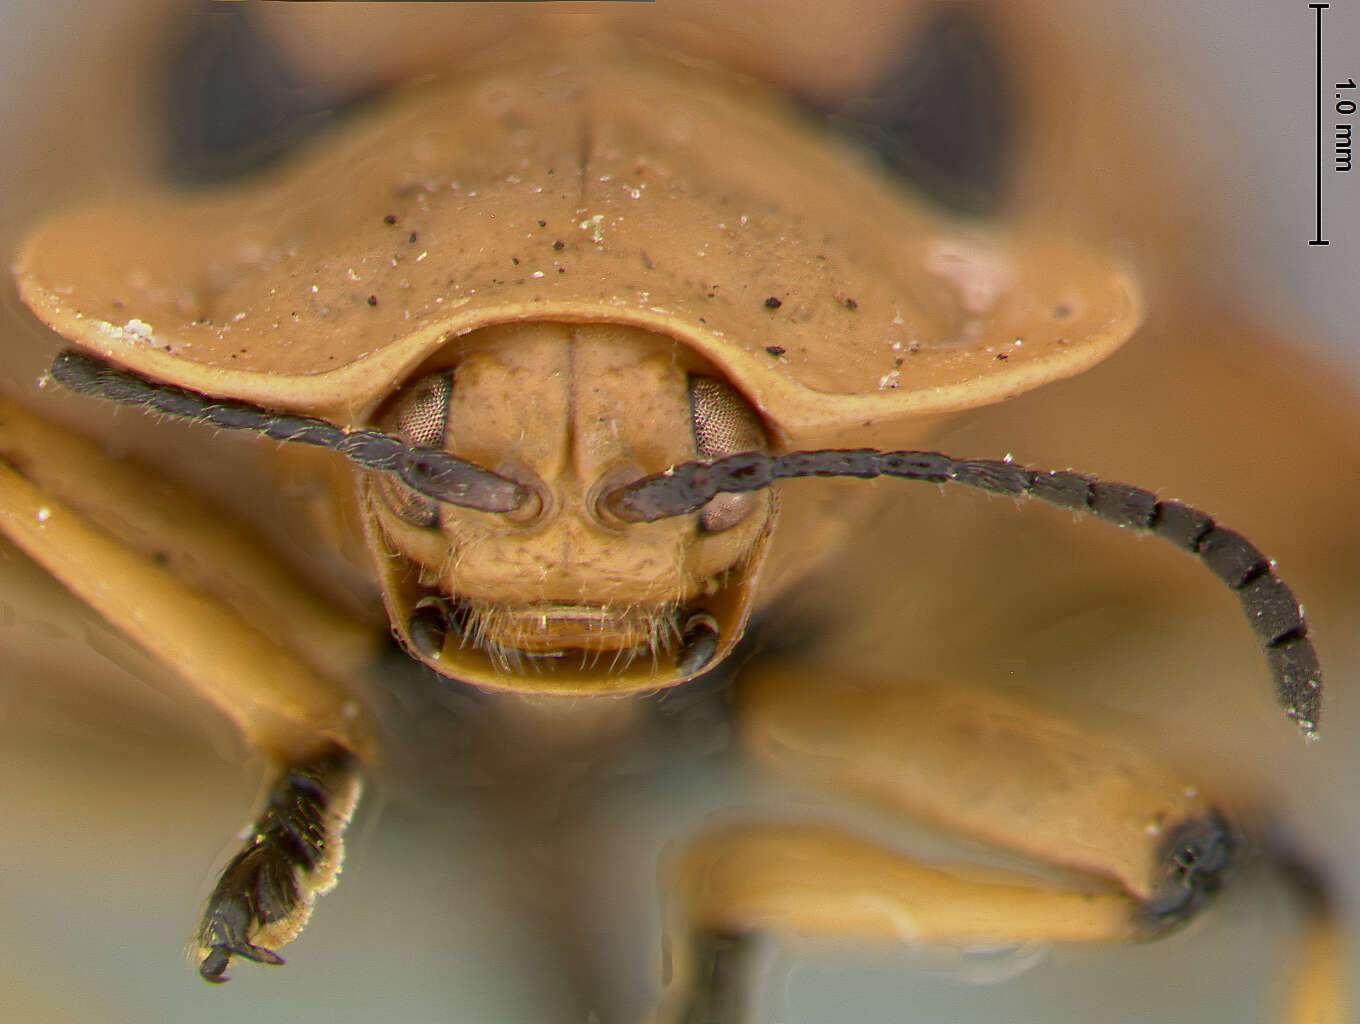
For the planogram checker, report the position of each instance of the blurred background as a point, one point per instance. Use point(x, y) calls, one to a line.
point(119, 801)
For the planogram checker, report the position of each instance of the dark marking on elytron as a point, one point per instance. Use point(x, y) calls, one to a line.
point(942, 116)
point(232, 100)
point(260, 885)
point(1269, 604)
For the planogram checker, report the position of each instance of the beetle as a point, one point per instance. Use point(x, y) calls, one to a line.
point(136, 331)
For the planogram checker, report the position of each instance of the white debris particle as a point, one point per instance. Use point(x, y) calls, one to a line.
point(139, 328)
point(897, 320)
point(897, 346)
point(422, 255)
point(114, 333)
point(889, 380)
point(351, 274)
point(595, 225)
point(44, 514)
point(512, 179)
point(239, 317)
point(536, 274)
point(315, 289)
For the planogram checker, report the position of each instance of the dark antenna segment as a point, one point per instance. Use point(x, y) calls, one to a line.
point(1269, 604)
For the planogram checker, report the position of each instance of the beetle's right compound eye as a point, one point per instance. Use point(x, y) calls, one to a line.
point(418, 415)
point(724, 424)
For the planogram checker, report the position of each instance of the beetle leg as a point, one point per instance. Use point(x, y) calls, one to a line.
point(979, 765)
point(158, 563)
point(743, 879)
point(265, 894)
point(740, 880)
point(995, 769)
point(1319, 990)
point(797, 879)
point(77, 513)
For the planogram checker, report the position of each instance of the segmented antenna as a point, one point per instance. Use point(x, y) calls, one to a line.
point(432, 472)
point(1270, 606)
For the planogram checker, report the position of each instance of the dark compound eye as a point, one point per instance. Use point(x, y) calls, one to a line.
point(419, 415)
point(942, 115)
point(724, 424)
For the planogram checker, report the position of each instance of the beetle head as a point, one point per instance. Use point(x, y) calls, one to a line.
point(559, 594)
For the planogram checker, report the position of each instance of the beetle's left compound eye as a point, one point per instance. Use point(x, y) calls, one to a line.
point(724, 424)
point(419, 416)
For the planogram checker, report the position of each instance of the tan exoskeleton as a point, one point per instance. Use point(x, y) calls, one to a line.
point(525, 299)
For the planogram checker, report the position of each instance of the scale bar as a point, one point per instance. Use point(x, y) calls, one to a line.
point(1317, 238)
